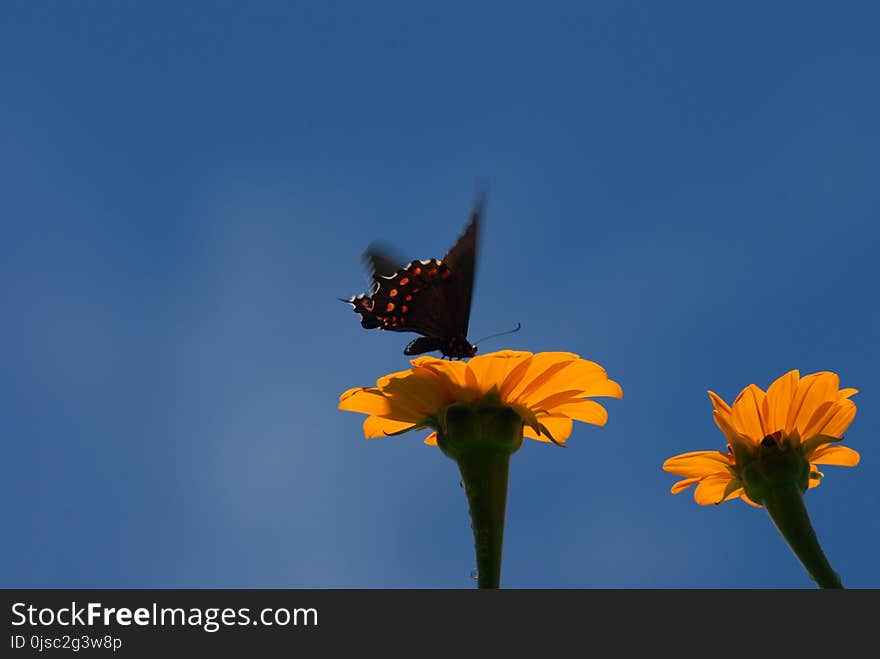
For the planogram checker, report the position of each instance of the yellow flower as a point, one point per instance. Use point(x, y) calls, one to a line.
point(547, 390)
point(798, 417)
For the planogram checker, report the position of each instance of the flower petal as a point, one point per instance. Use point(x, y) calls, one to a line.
point(816, 477)
point(779, 395)
point(558, 426)
point(747, 413)
point(842, 456)
point(492, 369)
point(431, 440)
point(375, 426)
point(698, 463)
point(420, 391)
point(837, 425)
point(543, 367)
point(733, 489)
point(846, 393)
point(555, 399)
point(366, 401)
point(458, 379)
point(711, 489)
point(588, 377)
point(682, 485)
point(607, 388)
point(820, 418)
point(527, 415)
point(515, 377)
point(371, 401)
point(719, 404)
point(587, 411)
point(737, 441)
point(812, 390)
point(382, 382)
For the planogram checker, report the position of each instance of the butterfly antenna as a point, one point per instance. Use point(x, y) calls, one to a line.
point(492, 336)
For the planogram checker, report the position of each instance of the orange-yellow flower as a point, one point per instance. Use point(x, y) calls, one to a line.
point(802, 416)
point(548, 390)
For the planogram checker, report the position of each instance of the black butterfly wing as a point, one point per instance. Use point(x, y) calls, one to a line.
point(462, 260)
point(381, 261)
point(431, 298)
point(441, 307)
point(412, 300)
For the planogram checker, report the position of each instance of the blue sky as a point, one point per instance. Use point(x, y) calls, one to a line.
point(685, 194)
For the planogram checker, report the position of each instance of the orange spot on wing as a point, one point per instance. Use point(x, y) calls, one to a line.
point(389, 307)
point(404, 281)
point(409, 298)
point(417, 271)
point(392, 292)
point(404, 309)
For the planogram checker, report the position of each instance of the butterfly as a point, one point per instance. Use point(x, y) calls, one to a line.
point(431, 298)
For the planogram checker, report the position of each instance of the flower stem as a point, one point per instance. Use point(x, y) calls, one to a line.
point(485, 483)
point(481, 440)
point(785, 504)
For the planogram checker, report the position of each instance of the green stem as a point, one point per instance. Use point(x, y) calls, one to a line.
point(785, 503)
point(485, 483)
point(481, 440)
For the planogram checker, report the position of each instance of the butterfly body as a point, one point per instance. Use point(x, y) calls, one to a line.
point(430, 297)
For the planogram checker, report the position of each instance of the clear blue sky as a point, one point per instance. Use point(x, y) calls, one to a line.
point(686, 194)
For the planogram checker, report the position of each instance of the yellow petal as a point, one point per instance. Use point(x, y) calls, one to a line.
point(366, 401)
point(747, 413)
point(608, 388)
point(711, 489)
point(492, 369)
point(528, 416)
point(724, 424)
point(431, 440)
point(578, 374)
point(822, 415)
point(765, 414)
point(846, 393)
point(698, 464)
point(843, 416)
point(719, 404)
point(375, 426)
point(428, 361)
point(682, 485)
point(514, 378)
point(559, 427)
point(587, 411)
point(458, 379)
point(420, 390)
point(542, 368)
point(834, 454)
point(370, 401)
point(382, 382)
point(556, 398)
point(779, 395)
point(815, 477)
point(348, 393)
point(589, 377)
point(812, 390)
